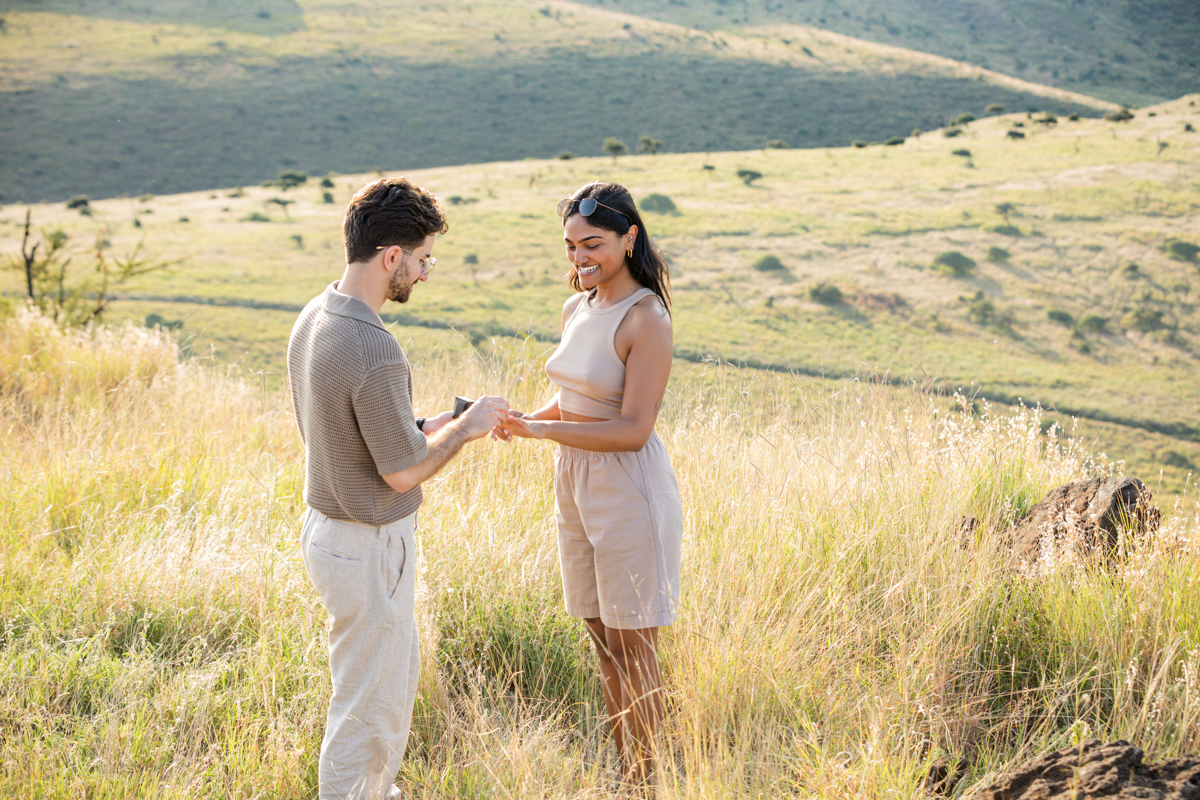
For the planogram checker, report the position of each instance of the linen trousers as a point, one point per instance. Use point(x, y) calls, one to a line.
point(365, 576)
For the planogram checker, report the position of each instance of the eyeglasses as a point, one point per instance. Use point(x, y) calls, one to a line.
point(427, 264)
point(587, 207)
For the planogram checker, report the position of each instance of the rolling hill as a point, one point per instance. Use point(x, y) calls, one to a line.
point(123, 97)
point(1076, 299)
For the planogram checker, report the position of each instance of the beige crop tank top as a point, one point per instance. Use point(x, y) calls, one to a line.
point(586, 368)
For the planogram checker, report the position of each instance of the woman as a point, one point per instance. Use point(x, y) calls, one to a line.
point(620, 523)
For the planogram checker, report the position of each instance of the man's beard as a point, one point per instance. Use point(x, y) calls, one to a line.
point(400, 285)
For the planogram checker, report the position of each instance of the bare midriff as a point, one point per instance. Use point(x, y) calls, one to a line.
point(567, 416)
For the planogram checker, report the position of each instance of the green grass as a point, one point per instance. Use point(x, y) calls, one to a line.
point(1087, 198)
point(1132, 53)
point(159, 637)
point(120, 98)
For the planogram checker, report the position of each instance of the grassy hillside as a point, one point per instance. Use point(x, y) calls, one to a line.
point(1136, 53)
point(159, 637)
point(122, 97)
point(1075, 301)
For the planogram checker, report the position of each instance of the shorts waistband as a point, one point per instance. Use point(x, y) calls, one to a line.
point(576, 453)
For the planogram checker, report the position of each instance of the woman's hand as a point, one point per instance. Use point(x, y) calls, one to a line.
point(498, 432)
point(517, 425)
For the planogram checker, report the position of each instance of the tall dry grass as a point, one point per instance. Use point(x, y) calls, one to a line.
point(159, 638)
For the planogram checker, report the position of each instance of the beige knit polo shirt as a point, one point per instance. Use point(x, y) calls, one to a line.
point(352, 393)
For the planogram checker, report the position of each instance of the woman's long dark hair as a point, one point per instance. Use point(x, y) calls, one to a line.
point(647, 265)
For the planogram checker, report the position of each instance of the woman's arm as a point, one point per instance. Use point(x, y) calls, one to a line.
point(647, 330)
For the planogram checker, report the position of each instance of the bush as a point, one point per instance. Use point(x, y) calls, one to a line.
point(962, 151)
point(1006, 230)
point(1061, 317)
point(1187, 127)
point(79, 201)
point(1131, 272)
point(470, 258)
point(1181, 250)
point(1015, 135)
point(859, 143)
point(995, 108)
point(566, 155)
point(1173, 458)
point(256, 217)
point(748, 176)
point(963, 119)
point(327, 182)
point(648, 144)
point(895, 140)
point(825, 293)
point(1122, 115)
point(327, 197)
point(954, 263)
point(658, 204)
point(1047, 119)
point(288, 179)
point(777, 144)
point(951, 132)
point(769, 264)
point(997, 255)
point(1094, 323)
point(1074, 117)
point(1143, 319)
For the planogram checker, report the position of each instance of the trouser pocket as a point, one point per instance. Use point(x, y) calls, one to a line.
point(396, 556)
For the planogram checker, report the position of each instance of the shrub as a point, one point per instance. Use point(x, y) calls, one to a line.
point(954, 263)
point(566, 155)
point(648, 144)
point(825, 293)
point(997, 255)
point(470, 258)
point(777, 144)
point(289, 179)
point(769, 264)
point(327, 197)
point(748, 176)
point(1122, 115)
point(1093, 323)
point(327, 182)
point(1181, 250)
point(859, 143)
point(951, 132)
point(658, 204)
point(1006, 230)
point(963, 119)
point(1015, 135)
point(895, 140)
point(1143, 319)
point(708, 167)
point(995, 108)
point(614, 147)
point(1187, 127)
point(1130, 272)
point(79, 201)
point(1047, 119)
point(145, 198)
point(1061, 317)
point(1173, 458)
point(962, 151)
point(1074, 117)
point(256, 217)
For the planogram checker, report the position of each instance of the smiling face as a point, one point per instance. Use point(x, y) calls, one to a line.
point(598, 255)
point(407, 270)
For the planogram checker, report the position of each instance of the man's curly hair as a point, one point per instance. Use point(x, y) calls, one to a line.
point(390, 211)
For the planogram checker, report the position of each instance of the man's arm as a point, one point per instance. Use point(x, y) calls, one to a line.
point(485, 414)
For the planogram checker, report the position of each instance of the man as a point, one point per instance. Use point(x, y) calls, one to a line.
point(365, 459)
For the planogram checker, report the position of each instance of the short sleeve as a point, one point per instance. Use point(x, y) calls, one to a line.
point(383, 410)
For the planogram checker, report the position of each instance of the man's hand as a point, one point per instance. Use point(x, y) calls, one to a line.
point(435, 424)
point(487, 413)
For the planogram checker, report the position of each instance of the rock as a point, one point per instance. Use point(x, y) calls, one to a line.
point(1095, 771)
point(1083, 518)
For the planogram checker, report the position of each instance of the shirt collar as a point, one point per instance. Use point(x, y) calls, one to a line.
point(346, 306)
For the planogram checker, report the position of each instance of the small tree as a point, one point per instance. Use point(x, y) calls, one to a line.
point(658, 204)
point(995, 108)
point(748, 176)
point(615, 147)
point(1121, 115)
point(647, 144)
point(954, 263)
point(777, 144)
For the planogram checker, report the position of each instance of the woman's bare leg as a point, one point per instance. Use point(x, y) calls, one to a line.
point(632, 683)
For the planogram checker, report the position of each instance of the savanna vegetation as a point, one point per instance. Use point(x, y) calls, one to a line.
point(159, 638)
point(123, 97)
point(825, 264)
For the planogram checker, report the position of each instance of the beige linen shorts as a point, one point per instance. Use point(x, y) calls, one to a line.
point(620, 530)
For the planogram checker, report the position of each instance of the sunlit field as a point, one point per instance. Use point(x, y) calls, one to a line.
point(159, 637)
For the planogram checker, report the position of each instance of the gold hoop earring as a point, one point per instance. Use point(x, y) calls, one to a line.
point(629, 252)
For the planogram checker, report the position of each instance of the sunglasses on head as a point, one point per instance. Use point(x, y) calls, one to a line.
point(586, 207)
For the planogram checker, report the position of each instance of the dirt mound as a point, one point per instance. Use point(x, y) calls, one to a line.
point(1094, 771)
